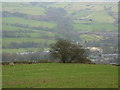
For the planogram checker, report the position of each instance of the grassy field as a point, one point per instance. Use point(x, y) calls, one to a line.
point(19, 40)
point(20, 29)
point(87, 38)
point(58, 75)
point(32, 23)
point(24, 8)
point(95, 27)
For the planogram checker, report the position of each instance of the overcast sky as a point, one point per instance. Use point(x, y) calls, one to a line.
point(60, 0)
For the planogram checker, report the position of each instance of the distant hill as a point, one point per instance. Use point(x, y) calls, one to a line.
point(34, 26)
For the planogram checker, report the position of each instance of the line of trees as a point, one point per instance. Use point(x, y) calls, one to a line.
point(62, 51)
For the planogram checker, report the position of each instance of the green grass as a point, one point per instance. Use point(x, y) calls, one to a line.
point(35, 33)
point(15, 4)
point(19, 40)
point(102, 17)
point(98, 7)
point(30, 32)
point(32, 23)
point(20, 50)
point(41, 34)
point(7, 41)
point(96, 16)
point(56, 75)
point(114, 8)
point(95, 27)
point(12, 28)
point(59, 5)
point(93, 38)
point(83, 14)
point(24, 8)
point(22, 29)
point(102, 21)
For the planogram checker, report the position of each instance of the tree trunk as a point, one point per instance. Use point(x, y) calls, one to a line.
point(63, 60)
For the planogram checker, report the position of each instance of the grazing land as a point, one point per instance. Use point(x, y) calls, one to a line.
point(59, 75)
point(37, 23)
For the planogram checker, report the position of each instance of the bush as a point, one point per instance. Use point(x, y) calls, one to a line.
point(83, 60)
point(43, 61)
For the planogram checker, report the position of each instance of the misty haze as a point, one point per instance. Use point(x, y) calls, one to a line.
point(48, 36)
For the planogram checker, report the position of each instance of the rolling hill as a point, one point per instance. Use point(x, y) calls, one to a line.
point(34, 26)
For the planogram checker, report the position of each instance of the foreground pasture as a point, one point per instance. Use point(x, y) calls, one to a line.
point(59, 75)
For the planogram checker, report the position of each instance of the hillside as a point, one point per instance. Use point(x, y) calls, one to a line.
point(30, 27)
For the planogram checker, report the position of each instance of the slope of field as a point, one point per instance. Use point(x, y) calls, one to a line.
point(7, 41)
point(56, 75)
point(34, 22)
point(24, 8)
point(95, 27)
point(87, 38)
